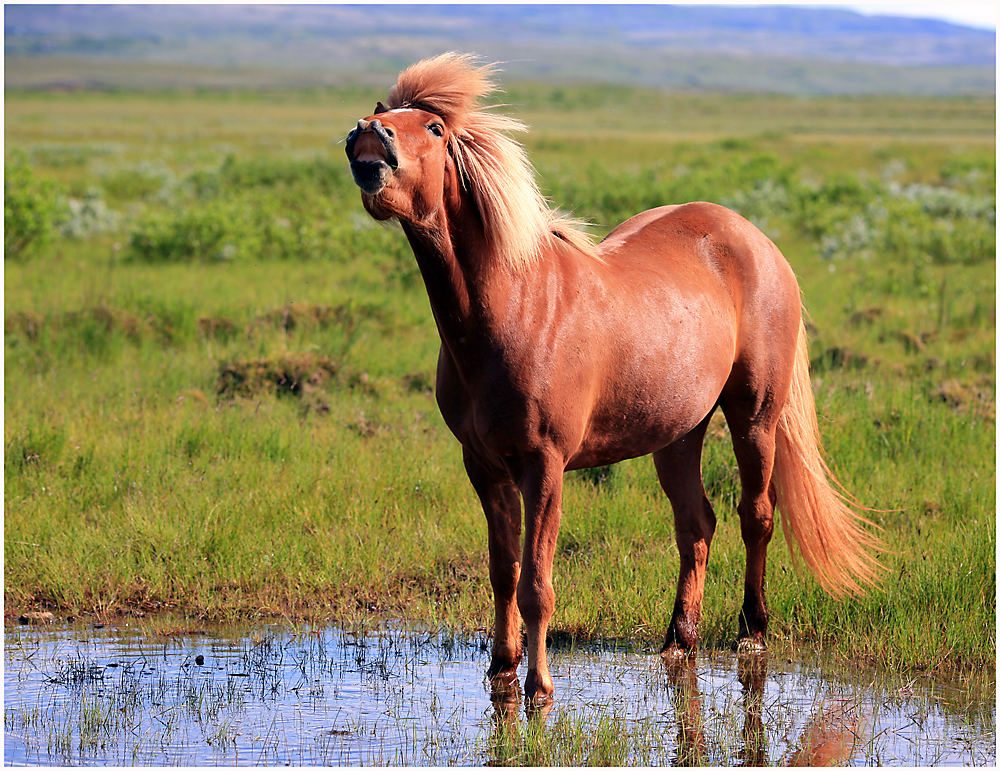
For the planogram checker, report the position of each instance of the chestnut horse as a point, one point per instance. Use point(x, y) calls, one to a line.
point(559, 354)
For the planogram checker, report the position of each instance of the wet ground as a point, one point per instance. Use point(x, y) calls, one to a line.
point(326, 696)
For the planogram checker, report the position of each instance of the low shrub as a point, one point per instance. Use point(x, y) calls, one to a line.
point(31, 208)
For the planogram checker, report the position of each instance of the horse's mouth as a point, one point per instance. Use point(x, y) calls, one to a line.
point(371, 176)
point(372, 152)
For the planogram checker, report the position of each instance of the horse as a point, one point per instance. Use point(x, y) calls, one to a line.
point(559, 353)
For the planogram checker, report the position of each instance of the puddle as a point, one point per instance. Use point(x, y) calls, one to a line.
point(396, 696)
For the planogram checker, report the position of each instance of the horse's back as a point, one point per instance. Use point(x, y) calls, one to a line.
point(712, 248)
point(702, 232)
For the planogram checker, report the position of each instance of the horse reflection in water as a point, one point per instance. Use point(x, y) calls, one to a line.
point(682, 674)
point(828, 738)
point(752, 671)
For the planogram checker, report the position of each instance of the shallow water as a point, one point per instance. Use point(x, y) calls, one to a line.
point(326, 696)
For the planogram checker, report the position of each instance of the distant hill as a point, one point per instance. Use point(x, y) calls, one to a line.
point(769, 48)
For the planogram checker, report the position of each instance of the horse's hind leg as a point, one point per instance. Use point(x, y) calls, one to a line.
point(502, 506)
point(752, 415)
point(678, 467)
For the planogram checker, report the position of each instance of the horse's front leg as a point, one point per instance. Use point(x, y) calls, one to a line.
point(541, 483)
point(502, 506)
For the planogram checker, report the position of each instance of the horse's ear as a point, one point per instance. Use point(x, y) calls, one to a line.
point(380, 108)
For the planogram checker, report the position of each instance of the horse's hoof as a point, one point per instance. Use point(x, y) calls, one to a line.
point(538, 690)
point(501, 669)
point(676, 653)
point(504, 661)
point(504, 686)
point(750, 645)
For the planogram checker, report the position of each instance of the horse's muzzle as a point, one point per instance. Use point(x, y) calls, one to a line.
point(371, 176)
point(373, 171)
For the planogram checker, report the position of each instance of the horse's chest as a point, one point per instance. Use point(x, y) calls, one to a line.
point(504, 411)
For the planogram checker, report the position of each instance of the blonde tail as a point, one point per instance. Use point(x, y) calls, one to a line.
point(822, 522)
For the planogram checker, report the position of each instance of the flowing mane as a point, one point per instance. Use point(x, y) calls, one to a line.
point(495, 168)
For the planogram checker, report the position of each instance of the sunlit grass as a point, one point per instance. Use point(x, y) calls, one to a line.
point(132, 482)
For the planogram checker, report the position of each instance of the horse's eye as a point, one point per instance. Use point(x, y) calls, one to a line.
point(436, 129)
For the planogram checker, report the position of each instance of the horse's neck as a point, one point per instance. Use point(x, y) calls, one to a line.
point(462, 286)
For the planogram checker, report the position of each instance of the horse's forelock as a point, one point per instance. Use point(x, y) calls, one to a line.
point(494, 167)
point(449, 85)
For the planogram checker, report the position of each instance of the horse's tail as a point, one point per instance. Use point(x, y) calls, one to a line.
point(823, 521)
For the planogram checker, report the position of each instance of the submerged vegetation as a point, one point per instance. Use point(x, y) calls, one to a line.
point(219, 371)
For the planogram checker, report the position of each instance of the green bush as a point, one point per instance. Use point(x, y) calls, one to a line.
point(144, 181)
point(31, 208)
point(256, 209)
point(197, 234)
point(916, 223)
point(254, 226)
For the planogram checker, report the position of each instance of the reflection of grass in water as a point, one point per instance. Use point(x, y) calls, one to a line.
point(168, 708)
point(571, 739)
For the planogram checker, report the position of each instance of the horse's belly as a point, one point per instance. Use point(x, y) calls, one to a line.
point(593, 454)
point(635, 430)
point(655, 403)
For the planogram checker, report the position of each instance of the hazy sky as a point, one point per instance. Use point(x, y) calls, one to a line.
point(971, 12)
point(975, 13)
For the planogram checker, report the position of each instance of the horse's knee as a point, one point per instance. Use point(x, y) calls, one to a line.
point(535, 599)
point(503, 575)
point(696, 530)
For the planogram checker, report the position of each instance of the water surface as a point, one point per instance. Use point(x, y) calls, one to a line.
point(282, 695)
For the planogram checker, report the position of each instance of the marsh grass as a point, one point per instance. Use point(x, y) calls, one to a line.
point(141, 476)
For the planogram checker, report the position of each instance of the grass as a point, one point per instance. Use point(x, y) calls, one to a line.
point(218, 397)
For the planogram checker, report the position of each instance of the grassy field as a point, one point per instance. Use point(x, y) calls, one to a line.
point(218, 370)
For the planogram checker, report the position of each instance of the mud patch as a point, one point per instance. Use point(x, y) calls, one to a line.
point(867, 316)
point(977, 398)
point(419, 382)
point(166, 326)
point(217, 328)
point(91, 324)
point(837, 357)
point(27, 324)
point(913, 342)
point(302, 375)
point(300, 315)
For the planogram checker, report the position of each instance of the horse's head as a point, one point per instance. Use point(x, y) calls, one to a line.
point(398, 159)
point(437, 149)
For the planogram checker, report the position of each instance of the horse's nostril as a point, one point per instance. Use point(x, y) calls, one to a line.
point(377, 125)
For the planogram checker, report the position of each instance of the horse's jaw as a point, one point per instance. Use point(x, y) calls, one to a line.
point(377, 205)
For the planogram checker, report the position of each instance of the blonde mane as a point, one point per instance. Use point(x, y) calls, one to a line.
point(495, 168)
